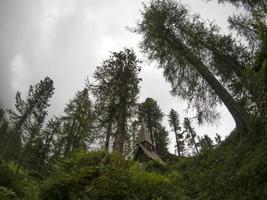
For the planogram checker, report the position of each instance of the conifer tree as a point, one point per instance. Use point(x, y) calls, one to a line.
point(150, 113)
point(105, 111)
point(78, 122)
point(250, 24)
point(116, 91)
point(191, 54)
point(50, 135)
point(5, 135)
point(161, 141)
point(3, 130)
point(28, 117)
point(175, 125)
point(205, 143)
point(218, 139)
point(191, 135)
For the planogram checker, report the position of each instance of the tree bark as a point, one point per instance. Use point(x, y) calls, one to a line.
point(239, 114)
point(120, 135)
point(177, 143)
point(195, 144)
point(121, 124)
point(108, 135)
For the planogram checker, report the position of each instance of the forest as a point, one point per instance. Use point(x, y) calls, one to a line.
point(93, 150)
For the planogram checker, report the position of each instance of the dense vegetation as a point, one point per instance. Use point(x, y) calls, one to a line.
point(86, 153)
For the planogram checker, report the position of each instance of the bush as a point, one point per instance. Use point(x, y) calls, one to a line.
point(7, 194)
point(8, 179)
point(97, 175)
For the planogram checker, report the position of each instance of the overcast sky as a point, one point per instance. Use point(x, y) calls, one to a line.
point(67, 39)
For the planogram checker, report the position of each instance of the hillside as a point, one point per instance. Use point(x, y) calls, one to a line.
point(234, 170)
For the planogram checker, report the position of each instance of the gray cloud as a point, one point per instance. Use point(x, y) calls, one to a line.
point(67, 39)
point(16, 21)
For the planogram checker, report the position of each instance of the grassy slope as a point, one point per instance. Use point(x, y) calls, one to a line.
point(237, 170)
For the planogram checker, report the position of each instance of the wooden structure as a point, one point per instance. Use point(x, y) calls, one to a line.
point(145, 150)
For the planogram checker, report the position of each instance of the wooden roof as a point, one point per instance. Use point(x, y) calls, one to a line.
point(144, 137)
point(151, 154)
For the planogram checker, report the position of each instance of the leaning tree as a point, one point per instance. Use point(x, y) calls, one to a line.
point(193, 57)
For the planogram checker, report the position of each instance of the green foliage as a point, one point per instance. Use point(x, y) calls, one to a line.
point(27, 121)
point(8, 178)
point(154, 166)
point(77, 123)
point(191, 135)
point(174, 122)
point(116, 92)
point(8, 152)
point(151, 115)
point(7, 194)
point(205, 143)
point(98, 175)
point(19, 186)
point(192, 54)
point(233, 170)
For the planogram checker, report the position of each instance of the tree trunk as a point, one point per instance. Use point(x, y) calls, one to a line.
point(195, 144)
point(120, 137)
point(239, 114)
point(152, 135)
point(108, 135)
point(177, 143)
point(121, 127)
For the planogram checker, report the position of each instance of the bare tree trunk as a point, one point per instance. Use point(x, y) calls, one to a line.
point(239, 114)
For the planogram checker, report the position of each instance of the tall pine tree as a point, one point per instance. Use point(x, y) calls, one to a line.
point(28, 118)
point(191, 135)
point(175, 125)
point(192, 55)
point(78, 122)
point(116, 91)
point(151, 115)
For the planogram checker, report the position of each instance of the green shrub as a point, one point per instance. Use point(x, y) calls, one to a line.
point(97, 175)
point(7, 194)
point(154, 166)
point(8, 179)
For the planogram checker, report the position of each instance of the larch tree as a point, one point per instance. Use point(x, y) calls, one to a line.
point(175, 125)
point(205, 143)
point(116, 91)
point(151, 115)
point(104, 108)
point(192, 56)
point(161, 141)
point(191, 135)
point(78, 122)
point(250, 24)
point(6, 134)
point(28, 118)
point(218, 139)
point(50, 136)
